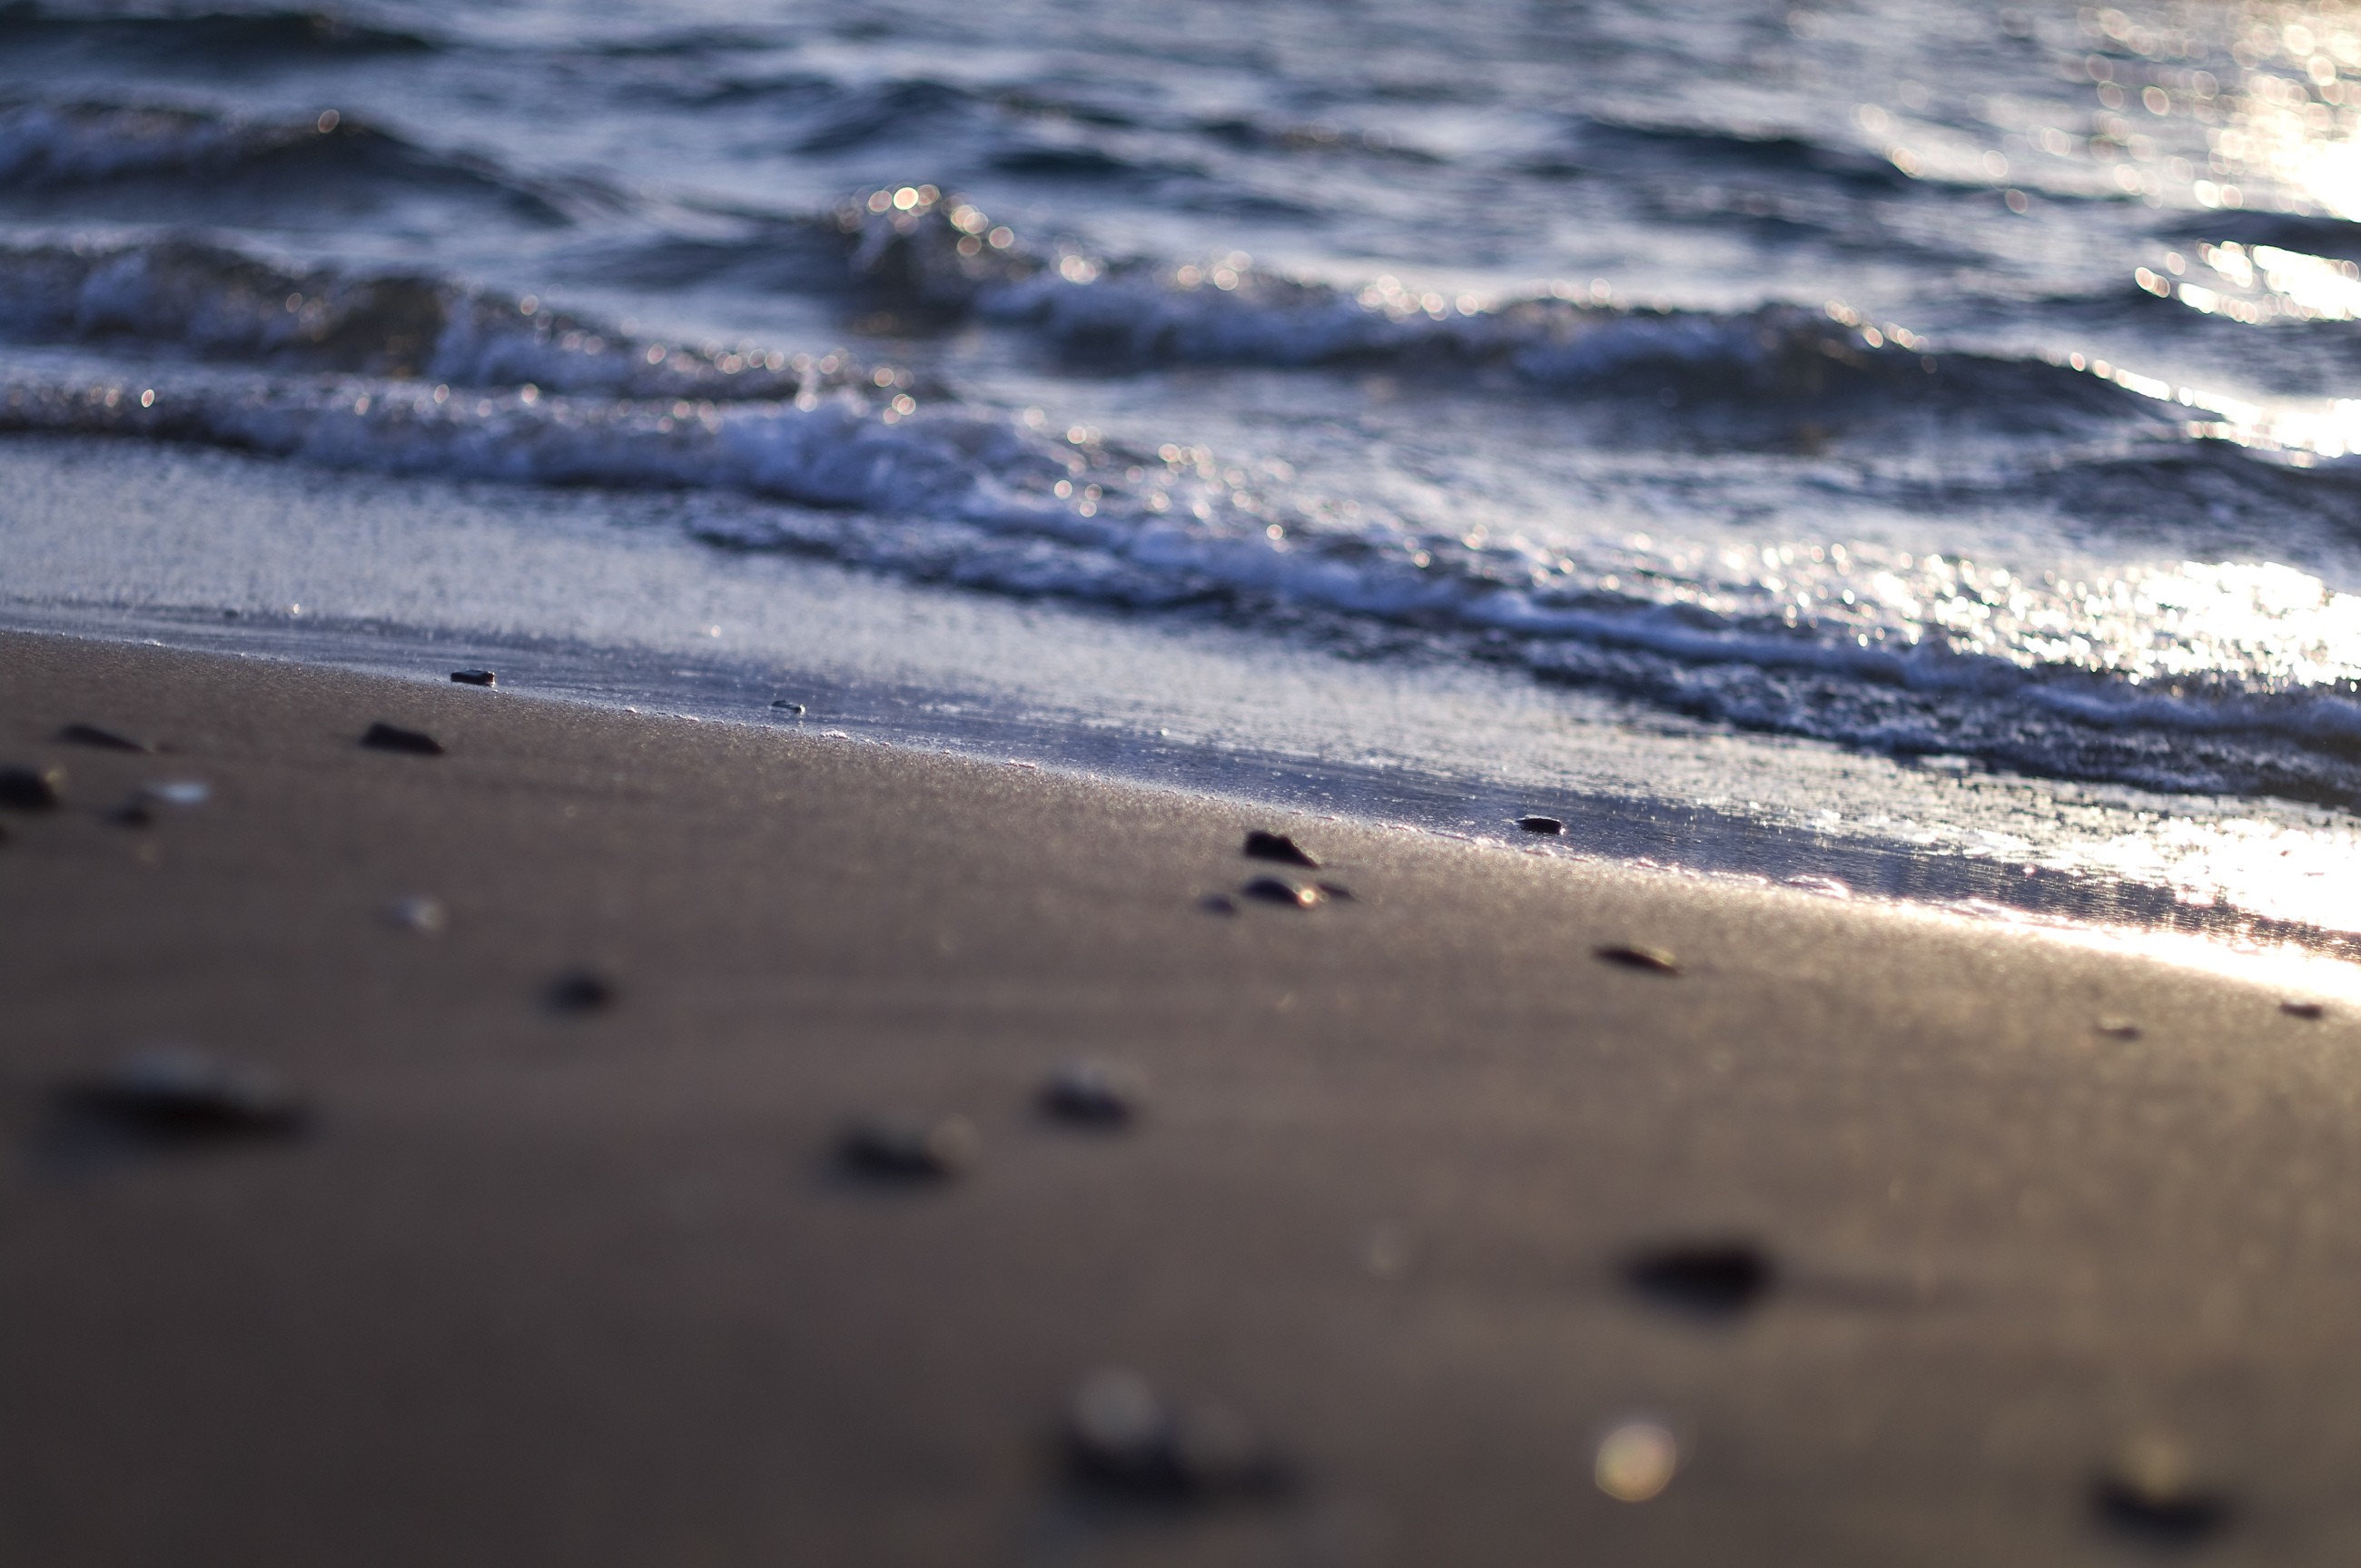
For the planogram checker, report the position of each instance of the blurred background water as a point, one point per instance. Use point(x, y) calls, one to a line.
point(1914, 445)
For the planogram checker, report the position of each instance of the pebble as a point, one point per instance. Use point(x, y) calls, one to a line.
point(105, 739)
point(2119, 1028)
point(1125, 1438)
point(476, 677)
point(2147, 1493)
point(1549, 825)
point(32, 789)
point(784, 705)
point(905, 1147)
point(1097, 1094)
point(139, 811)
point(1218, 903)
point(177, 1095)
point(1262, 846)
point(1279, 890)
point(581, 990)
point(1632, 956)
point(1716, 1279)
point(384, 737)
point(2304, 1009)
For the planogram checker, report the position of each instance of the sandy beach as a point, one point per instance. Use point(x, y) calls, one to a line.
point(1921, 1240)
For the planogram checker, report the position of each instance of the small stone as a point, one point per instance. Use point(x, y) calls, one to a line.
point(903, 1148)
point(1632, 956)
point(104, 739)
point(177, 1095)
point(1713, 1279)
point(581, 990)
point(476, 677)
point(134, 813)
point(784, 705)
point(2119, 1028)
point(1544, 825)
point(32, 789)
point(1125, 1439)
point(1095, 1093)
point(1262, 846)
point(2147, 1493)
point(2295, 1009)
point(1218, 903)
point(1279, 890)
point(426, 915)
point(1336, 890)
point(383, 737)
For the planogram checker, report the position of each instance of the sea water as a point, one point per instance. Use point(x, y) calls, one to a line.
point(1909, 449)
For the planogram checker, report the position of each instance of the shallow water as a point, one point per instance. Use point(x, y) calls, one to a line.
point(1948, 401)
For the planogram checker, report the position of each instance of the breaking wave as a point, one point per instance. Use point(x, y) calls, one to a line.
point(1869, 648)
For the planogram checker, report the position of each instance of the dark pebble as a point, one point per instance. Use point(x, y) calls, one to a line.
point(581, 990)
point(476, 677)
point(386, 736)
point(1218, 903)
point(105, 739)
point(1279, 890)
point(1262, 846)
point(1125, 1439)
point(1714, 1280)
point(1336, 890)
point(1093, 1093)
point(32, 789)
point(908, 1149)
point(1631, 956)
point(2303, 1010)
point(1541, 824)
point(183, 1097)
point(137, 812)
point(784, 705)
point(2118, 1028)
point(2148, 1497)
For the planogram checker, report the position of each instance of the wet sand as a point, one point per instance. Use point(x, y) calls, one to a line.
point(563, 1261)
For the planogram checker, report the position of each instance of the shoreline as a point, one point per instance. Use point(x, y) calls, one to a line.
point(591, 1280)
point(1605, 822)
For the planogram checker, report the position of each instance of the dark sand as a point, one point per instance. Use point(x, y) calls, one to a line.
point(588, 1289)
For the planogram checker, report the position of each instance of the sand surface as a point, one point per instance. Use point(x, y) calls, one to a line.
point(585, 1286)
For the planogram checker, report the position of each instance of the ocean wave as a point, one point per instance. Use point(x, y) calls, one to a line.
point(936, 251)
point(939, 260)
point(70, 148)
point(189, 298)
point(1784, 156)
point(945, 260)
